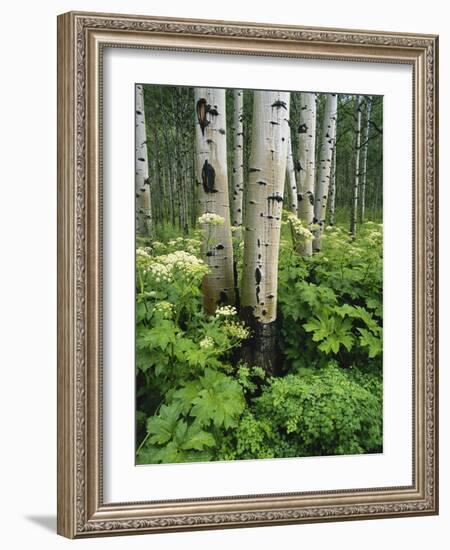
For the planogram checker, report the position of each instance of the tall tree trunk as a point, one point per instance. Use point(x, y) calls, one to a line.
point(238, 160)
point(194, 191)
point(212, 185)
point(264, 200)
point(354, 209)
point(158, 183)
point(306, 165)
point(332, 193)
point(325, 160)
point(290, 176)
point(178, 157)
point(142, 182)
point(362, 210)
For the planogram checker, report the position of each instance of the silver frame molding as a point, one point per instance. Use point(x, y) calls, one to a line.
point(81, 38)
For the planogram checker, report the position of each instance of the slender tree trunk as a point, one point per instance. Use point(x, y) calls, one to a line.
point(264, 200)
point(179, 170)
point(194, 191)
point(142, 182)
point(332, 193)
point(158, 183)
point(238, 160)
point(212, 185)
point(354, 209)
point(306, 165)
point(362, 211)
point(325, 159)
point(290, 177)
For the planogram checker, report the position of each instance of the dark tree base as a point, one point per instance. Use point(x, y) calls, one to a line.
point(261, 349)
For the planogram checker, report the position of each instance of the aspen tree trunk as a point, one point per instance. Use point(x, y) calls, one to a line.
point(212, 185)
point(362, 212)
point(290, 176)
point(306, 166)
point(238, 160)
point(324, 169)
point(264, 200)
point(142, 182)
point(158, 183)
point(332, 193)
point(354, 209)
point(168, 147)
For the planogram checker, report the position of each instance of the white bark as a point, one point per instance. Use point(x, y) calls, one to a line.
point(290, 177)
point(212, 183)
point(142, 183)
point(238, 160)
point(354, 209)
point(324, 168)
point(332, 193)
point(364, 158)
point(264, 200)
point(306, 167)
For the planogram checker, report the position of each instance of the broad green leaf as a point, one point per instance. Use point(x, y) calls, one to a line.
point(161, 428)
point(197, 439)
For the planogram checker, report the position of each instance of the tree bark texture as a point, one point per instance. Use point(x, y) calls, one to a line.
point(368, 112)
point(354, 208)
point(290, 177)
point(142, 182)
point(324, 168)
point(212, 185)
point(306, 164)
point(238, 161)
point(332, 192)
point(264, 201)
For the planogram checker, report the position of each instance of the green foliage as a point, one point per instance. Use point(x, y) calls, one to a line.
point(186, 392)
point(214, 398)
point(323, 411)
point(338, 311)
point(314, 412)
point(199, 414)
point(197, 402)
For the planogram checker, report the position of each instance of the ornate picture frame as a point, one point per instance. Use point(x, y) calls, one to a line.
point(82, 38)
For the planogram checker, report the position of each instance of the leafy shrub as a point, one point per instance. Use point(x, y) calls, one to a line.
point(183, 359)
point(315, 412)
point(337, 309)
point(188, 428)
point(197, 402)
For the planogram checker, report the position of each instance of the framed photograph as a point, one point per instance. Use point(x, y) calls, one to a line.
point(247, 276)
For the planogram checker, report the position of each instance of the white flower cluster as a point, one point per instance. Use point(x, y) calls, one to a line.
point(226, 311)
point(166, 308)
point(211, 219)
point(299, 229)
point(374, 233)
point(175, 242)
point(142, 253)
point(237, 330)
point(207, 343)
point(143, 259)
point(192, 246)
point(162, 267)
point(160, 272)
point(158, 247)
point(184, 261)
